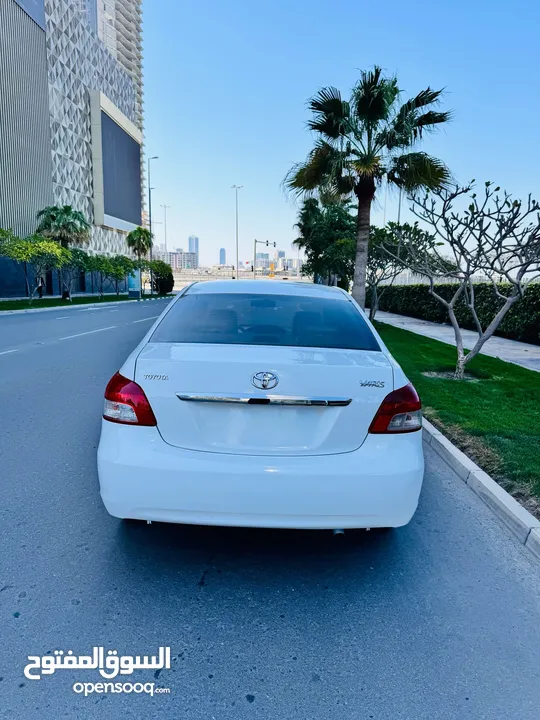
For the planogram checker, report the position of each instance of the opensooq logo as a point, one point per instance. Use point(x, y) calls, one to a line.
point(110, 665)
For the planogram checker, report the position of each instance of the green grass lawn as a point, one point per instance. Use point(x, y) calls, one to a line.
point(495, 418)
point(54, 302)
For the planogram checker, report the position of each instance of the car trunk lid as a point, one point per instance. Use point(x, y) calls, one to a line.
point(263, 400)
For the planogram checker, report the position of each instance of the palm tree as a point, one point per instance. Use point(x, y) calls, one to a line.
point(308, 216)
point(67, 226)
point(63, 224)
point(362, 142)
point(140, 241)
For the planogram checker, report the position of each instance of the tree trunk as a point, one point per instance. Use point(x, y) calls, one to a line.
point(374, 304)
point(459, 372)
point(365, 192)
point(26, 280)
point(493, 325)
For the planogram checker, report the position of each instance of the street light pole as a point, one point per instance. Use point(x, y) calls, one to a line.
point(165, 208)
point(236, 189)
point(150, 188)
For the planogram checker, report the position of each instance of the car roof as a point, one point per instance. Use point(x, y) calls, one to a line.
point(264, 287)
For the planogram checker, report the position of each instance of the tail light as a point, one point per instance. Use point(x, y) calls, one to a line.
point(400, 412)
point(126, 403)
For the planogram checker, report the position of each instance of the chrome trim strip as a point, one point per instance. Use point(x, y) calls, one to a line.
point(297, 401)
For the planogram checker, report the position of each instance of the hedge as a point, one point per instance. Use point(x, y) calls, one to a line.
point(522, 322)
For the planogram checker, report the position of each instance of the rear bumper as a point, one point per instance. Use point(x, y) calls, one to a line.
point(142, 477)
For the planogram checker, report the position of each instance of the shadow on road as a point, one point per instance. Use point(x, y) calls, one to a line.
point(263, 556)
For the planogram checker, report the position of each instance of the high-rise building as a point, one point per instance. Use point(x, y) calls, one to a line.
point(193, 246)
point(128, 22)
point(262, 260)
point(178, 260)
point(189, 260)
point(78, 113)
point(222, 256)
point(89, 9)
point(281, 254)
point(118, 24)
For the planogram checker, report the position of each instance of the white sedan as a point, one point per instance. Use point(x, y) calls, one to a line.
point(262, 404)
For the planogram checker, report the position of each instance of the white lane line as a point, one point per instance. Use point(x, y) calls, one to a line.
point(90, 332)
point(114, 310)
point(154, 317)
point(63, 317)
point(6, 352)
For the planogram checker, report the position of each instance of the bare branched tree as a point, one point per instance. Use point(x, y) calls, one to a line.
point(386, 257)
point(494, 235)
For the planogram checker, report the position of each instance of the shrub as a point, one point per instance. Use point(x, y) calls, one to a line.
point(521, 323)
point(163, 277)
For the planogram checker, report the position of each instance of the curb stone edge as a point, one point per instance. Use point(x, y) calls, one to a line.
point(30, 311)
point(520, 521)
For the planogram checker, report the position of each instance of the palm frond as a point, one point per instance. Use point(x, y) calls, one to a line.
point(418, 170)
point(367, 166)
point(336, 190)
point(322, 162)
point(63, 224)
point(373, 96)
point(404, 128)
point(330, 113)
point(428, 120)
point(425, 97)
point(395, 136)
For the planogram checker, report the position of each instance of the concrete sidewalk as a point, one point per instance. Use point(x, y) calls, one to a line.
point(528, 356)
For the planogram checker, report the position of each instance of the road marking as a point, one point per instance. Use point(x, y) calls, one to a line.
point(6, 352)
point(63, 317)
point(154, 317)
point(90, 332)
point(114, 311)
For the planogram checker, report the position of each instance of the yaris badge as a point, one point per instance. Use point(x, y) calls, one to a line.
point(372, 383)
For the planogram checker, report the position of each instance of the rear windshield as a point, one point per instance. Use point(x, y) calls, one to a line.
point(244, 319)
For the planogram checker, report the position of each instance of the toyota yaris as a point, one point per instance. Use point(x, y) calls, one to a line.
point(262, 404)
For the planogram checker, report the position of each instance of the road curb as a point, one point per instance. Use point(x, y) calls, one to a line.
point(78, 306)
point(520, 521)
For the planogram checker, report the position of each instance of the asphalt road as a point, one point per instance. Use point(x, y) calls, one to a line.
point(440, 619)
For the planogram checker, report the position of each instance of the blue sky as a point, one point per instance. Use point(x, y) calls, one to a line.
point(226, 84)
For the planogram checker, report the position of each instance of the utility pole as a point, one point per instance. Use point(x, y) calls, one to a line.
point(236, 188)
point(150, 188)
point(165, 208)
point(254, 259)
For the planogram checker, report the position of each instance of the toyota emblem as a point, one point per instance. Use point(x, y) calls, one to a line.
point(264, 380)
